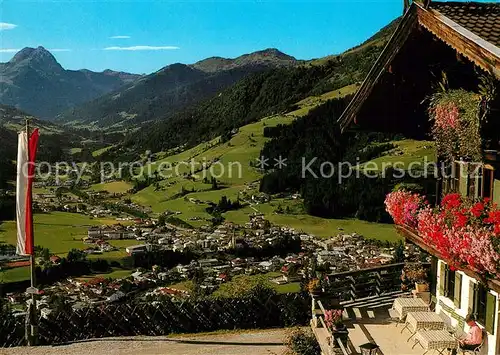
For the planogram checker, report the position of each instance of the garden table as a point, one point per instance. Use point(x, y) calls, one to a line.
point(416, 321)
point(439, 340)
point(405, 305)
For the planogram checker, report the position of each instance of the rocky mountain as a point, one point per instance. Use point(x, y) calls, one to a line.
point(172, 89)
point(35, 82)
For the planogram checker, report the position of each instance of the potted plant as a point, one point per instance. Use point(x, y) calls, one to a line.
point(335, 323)
point(314, 287)
point(419, 276)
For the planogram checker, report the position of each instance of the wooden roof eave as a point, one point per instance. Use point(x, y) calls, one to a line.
point(413, 237)
point(476, 49)
point(392, 47)
point(481, 52)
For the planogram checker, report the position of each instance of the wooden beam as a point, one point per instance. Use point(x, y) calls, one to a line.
point(390, 51)
point(414, 238)
point(476, 49)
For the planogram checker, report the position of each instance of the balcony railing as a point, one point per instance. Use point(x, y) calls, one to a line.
point(356, 284)
point(345, 288)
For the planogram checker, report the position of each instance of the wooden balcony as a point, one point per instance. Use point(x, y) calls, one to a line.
point(365, 297)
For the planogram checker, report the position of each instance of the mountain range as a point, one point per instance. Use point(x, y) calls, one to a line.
point(178, 105)
point(35, 82)
point(172, 89)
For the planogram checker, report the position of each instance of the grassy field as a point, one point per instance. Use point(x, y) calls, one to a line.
point(113, 187)
point(245, 147)
point(23, 273)
point(15, 274)
point(233, 162)
point(115, 273)
point(232, 171)
point(62, 231)
point(408, 153)
point(321, 227)
point(101, 151)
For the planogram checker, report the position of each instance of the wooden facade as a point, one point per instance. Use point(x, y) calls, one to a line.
point(411, 55)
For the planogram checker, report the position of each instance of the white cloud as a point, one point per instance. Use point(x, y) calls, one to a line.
point(7, 26)
point(9, 50)
point(119, 37)
point(59, 50)
point(142, 48)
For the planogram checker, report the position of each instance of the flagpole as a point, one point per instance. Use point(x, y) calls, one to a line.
point(32, 334)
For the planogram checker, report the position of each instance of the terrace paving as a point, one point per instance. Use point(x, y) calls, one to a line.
point(265, 342)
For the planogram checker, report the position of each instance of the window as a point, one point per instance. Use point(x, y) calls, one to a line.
point(450, 284)
point(488, 174)
point(472, 179)
point(482, 304)
point(433, 273)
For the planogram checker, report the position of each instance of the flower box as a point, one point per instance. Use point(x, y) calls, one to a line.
point(464, 232)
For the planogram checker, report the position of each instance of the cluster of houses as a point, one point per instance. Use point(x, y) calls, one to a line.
point(101, 237)
point(343, 252)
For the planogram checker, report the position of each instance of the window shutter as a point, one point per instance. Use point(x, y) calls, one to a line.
point(458, 290)
point(479, 182)
point(491, 301)
point(463, 186)
point(442, 277)
point(472, 296)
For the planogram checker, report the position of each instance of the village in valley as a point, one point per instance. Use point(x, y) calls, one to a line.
point(282, 256)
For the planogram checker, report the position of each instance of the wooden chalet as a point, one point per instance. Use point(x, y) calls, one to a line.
point(463, 40)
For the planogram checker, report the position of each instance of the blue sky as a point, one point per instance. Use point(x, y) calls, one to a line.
point(158, 33)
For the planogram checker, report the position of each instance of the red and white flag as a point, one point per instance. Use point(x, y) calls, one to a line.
point(25, 175)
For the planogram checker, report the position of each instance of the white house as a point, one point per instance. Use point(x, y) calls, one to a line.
point(459, 294)
point(136, 249)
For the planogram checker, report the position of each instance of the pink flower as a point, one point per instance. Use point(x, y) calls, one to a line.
point(446, 116)
point(403, 207)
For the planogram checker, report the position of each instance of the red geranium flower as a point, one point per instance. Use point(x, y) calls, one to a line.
point(477, 209)
point(451, 201)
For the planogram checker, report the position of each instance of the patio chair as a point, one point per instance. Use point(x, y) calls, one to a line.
point(432, 305)
point(477, 350)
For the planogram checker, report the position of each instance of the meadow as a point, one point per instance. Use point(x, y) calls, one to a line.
point(112, 187)
point(63, 231)
point(244, 147)
point(60, 232)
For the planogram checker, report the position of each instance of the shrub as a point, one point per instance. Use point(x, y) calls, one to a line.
point(301, 342)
